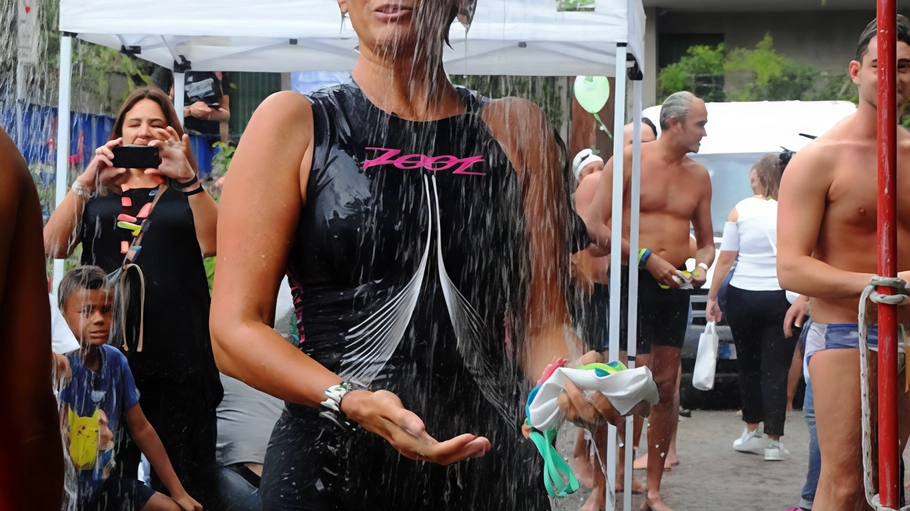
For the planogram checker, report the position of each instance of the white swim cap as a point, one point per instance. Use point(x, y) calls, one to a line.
point(583, 159)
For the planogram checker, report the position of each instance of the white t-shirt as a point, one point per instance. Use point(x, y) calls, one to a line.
point(754, 236)
point(62, 338)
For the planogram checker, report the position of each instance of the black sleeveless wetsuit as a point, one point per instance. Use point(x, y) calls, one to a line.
point(410, 271)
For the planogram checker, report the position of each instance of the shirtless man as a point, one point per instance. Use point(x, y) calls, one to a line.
point(591, 270)
point(591, 275)
point(675, 191)
point(827, 249)
point(31, 461)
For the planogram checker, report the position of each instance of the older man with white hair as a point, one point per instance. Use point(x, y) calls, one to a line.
point(675, 193)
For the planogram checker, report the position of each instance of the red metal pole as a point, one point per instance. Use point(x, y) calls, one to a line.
point(888, 449)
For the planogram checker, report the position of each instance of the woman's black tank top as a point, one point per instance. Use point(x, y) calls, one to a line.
point(411, 256)
point(410, 272)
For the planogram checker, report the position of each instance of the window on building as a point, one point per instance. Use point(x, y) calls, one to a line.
point(673, 47)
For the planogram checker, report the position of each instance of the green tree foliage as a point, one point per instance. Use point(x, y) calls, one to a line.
point(701, 71)
point(575, 5)
point(759, 74)
point(95, 67)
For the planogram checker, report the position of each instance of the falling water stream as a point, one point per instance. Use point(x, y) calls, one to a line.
point(29, 57)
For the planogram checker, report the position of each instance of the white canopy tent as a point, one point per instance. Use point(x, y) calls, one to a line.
point(506, 37)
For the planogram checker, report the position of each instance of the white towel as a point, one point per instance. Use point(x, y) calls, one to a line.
point(624, 389)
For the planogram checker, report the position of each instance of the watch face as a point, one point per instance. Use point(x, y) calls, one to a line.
point(334, 395)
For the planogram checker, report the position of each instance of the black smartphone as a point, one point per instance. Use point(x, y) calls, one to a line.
point(136, 157)
point(214, 106)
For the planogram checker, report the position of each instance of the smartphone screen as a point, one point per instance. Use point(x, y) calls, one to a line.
point(136, 157)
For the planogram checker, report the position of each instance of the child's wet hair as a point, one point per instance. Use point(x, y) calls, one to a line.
point(82, 277)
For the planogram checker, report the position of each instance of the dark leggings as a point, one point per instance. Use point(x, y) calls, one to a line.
point(756, 319)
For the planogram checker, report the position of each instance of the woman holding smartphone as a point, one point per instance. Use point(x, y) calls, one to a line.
point(174, 370)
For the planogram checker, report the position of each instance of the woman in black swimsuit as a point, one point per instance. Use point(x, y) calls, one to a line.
point(425, 233)
point(175, 371)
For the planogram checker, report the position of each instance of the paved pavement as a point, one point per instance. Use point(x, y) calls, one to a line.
point(714, 477)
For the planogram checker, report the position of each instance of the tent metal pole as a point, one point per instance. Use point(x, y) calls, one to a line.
point(888, 448)
point(179, 92)
point(63, 134)
point(619, 116)
point(635, 213)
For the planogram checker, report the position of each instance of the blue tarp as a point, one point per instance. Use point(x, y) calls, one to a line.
point(36, 142)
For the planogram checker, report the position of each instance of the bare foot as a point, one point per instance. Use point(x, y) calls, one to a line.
point(598, 499)
point(596, 502)
point(584, 470)
point(641, 463)
point(653, 502)
point(638, 487)
point(582, 464)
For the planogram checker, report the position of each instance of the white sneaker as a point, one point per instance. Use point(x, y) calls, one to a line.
point(751, 442)
point(776, 452)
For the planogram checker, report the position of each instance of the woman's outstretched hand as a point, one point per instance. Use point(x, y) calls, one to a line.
point(382, 412)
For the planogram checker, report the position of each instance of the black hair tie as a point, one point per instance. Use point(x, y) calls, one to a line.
point(785, 157)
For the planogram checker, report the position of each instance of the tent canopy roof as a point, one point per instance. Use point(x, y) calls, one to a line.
point(507, 37)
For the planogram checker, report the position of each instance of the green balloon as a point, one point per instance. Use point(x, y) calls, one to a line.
point(592, 92)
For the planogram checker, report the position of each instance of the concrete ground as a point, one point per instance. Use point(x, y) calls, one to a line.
point(714, 477)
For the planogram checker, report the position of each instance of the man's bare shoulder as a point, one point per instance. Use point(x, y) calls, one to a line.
point(823, 153)
point(649, 148)
point(819, 157)
point(696, 170)
point(586, 190)
point(13, 169)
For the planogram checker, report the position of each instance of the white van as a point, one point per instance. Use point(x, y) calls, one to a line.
point(739, 134)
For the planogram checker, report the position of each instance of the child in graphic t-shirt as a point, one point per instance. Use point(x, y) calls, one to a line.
point(101, 397)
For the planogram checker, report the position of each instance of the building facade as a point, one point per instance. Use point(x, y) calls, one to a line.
point(812, 32)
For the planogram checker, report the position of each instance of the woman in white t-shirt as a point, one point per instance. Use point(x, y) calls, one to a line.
point(756, 307)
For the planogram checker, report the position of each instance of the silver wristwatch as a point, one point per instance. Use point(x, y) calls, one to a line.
point(335, 394)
